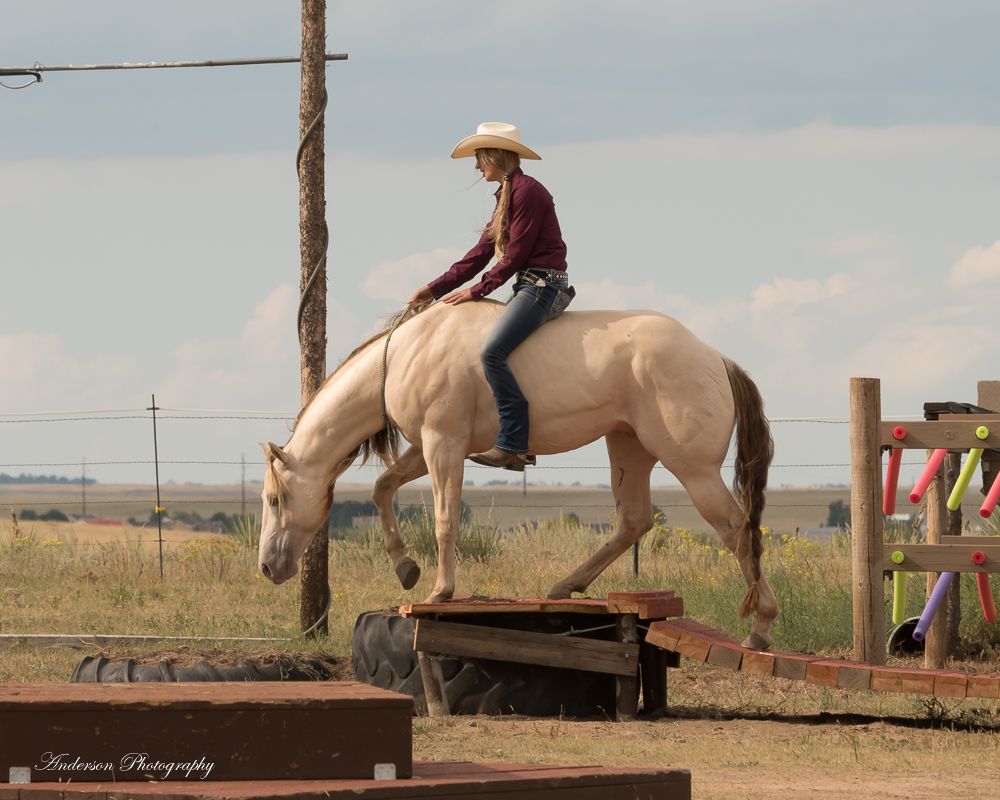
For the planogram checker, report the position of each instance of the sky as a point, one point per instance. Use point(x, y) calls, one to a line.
point(812, 187)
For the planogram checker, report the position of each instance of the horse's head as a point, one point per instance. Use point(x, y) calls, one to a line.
point(296, 506)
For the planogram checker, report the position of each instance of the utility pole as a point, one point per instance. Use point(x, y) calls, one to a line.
point(243, 485)
point(312, 250)
point(83, 487)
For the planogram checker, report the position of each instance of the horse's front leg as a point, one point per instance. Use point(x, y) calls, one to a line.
point(445, 459)
point(407, 467)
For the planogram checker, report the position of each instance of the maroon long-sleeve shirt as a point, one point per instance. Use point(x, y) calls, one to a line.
point(534, 241)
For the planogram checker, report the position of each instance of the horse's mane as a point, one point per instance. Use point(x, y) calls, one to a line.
point(384, 444)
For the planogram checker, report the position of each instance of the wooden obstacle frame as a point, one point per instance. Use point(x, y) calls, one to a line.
point(945, 550)
point(609, 638)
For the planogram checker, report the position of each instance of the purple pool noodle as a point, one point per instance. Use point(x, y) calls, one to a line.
point(940, 590)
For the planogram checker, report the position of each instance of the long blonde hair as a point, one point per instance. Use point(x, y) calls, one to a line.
point(498, 228)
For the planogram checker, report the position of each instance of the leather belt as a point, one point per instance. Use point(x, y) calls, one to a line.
point(531, 274)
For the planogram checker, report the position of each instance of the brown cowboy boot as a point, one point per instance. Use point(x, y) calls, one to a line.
point(497, 457)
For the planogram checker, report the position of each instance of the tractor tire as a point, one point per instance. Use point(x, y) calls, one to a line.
point(382, 655)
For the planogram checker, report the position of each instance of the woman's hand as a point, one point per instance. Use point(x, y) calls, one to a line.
point(421, 297)
point(461, 296)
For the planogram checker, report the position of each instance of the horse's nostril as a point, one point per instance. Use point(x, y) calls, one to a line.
point(265, 571)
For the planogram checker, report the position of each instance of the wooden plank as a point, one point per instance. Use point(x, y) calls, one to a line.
point(694, 646)
point(954, 431)
point(550, 650)
point(491, 781)
point(823, 673)
point(791, 665)
point(950, 684)
point(887, 679)
point(758, 662)
point(660, 607)
point(942, 557)
point(987, 686)
point(628, 602)
point(917, 681)
point(724, 654)
point(582, 605)
point(664, 634)
point(856, 677)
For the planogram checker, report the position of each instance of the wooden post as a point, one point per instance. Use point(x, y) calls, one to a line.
point(312, 252)
point(627, 687)
point(653, 664)
point(936, 641)
point(432, 677)
point(867, 522)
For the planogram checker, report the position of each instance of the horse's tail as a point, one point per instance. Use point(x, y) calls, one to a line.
point(754, 451)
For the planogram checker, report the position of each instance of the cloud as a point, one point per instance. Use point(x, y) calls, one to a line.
point(267, 332)
point(977, 266)
point(397, 280)
point(787, 295)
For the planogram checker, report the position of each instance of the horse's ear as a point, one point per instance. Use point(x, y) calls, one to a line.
point(273, 452)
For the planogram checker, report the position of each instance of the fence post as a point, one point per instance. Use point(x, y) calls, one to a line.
point(866, 521)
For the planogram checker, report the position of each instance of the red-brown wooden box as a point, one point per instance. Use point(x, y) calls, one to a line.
point(246, 731)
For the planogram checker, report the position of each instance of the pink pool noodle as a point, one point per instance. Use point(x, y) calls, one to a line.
point(985, 591)
point(933, 465)
point(986, 509)
point(891, 481)
point(940, 590)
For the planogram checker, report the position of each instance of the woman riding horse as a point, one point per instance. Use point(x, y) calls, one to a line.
point(524, 236)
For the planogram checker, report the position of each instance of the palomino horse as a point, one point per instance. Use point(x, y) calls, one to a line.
point(640, 379)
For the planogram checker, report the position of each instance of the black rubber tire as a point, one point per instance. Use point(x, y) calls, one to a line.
point(382, 655)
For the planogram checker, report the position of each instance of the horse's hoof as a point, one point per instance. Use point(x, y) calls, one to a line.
point(434, 597)
point(408, 572)
point(558, 592)
point(757, 642)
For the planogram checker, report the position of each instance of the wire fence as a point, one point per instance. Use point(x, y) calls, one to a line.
point(92, 500)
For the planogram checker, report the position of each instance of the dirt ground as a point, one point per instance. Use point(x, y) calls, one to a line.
point(741, 736)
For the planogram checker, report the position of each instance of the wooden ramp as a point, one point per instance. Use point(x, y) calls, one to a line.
point(430, 780)
point(701, 643)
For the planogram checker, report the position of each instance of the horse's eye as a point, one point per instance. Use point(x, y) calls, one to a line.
point(272, 500)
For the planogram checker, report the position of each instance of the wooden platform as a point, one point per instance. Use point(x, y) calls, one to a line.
point(646, 605)
point(701, 643)
point(245, 731)
point(609, 640)
point(430, 780)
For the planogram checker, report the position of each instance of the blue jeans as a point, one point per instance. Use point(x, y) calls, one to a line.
point(525, 313)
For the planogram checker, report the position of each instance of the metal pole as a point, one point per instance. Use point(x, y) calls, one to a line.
point(159, 508)
point(83, 487)
point(312, 279)
point(243, 484)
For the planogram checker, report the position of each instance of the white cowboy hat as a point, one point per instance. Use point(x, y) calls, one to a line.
point(501, 135)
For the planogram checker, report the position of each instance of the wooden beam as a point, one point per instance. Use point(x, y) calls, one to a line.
point(942, 557)
point(546, 649)
point(954, 431)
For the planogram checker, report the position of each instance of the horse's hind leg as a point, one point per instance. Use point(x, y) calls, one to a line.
point(631, 465)
point(719, 508)
point(409, 466)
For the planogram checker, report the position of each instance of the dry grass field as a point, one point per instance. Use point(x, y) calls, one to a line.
point(741, 736)
point(787, 509)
